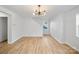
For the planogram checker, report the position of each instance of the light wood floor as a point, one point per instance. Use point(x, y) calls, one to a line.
point(31, 45)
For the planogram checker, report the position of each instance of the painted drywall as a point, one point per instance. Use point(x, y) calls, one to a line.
point(3, 28)
point(19, 26)
point(33, 27)
point(70, 28)
point(15, 25)
point(63, 28)
point(56, 28)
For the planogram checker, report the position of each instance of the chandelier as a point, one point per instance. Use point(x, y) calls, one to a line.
point(39, 10)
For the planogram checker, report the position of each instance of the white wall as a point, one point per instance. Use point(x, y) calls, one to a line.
point(56, 28)
point(33, 27)
point(15, 25)
point(70, 28)
point(19, 26)
point(63, 28)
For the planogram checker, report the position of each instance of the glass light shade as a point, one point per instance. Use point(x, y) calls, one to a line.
point(40, 11)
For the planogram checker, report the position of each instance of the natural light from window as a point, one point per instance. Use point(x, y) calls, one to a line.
point(77, 25)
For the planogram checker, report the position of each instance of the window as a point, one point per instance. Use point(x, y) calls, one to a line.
point(77, 25)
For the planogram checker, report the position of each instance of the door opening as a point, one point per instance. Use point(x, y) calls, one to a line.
point(3, 29)
point(45, 28)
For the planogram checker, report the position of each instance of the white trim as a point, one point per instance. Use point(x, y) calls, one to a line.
point(33, 36)
point(65, 43)
point(13, 41)
point(72, 46)
point(57, 40)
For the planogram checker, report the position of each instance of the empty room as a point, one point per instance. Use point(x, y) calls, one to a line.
point(39, 29)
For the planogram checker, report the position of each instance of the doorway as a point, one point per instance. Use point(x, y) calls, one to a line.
point(45, 28)
point(3, 29)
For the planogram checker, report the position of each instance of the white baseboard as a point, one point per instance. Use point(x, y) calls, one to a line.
point(72, 46)
point(15, 40)
point(33, 36)
point(66, 43)
point(24, 36)
point(56, 39)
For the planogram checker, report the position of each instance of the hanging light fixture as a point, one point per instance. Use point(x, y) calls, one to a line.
point(39, 10)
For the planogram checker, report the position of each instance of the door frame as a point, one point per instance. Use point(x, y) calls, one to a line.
point(9, 31)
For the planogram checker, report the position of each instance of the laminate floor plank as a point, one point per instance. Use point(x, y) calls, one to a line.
point(36, 45)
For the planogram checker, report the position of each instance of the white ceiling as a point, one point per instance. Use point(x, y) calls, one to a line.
point(26, 10)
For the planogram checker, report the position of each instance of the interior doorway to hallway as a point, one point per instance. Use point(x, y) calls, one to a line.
point(46, 28)
point(3, 29)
